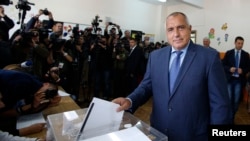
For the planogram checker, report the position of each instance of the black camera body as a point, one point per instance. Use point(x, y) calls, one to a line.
point(96, 21)
point(5, 2)
point(23, 5)
point(110, 23)
point(45, 11)
point(50, 93)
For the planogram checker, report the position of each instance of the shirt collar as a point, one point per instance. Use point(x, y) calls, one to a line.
point(184, 50)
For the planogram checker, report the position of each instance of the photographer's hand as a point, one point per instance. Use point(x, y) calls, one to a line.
point(92, 46)
point(2, 11)
point(118, 27)
point(102, 45)
point(50, 15)
point(38, 98)
point(40, 12)
point(55, 100)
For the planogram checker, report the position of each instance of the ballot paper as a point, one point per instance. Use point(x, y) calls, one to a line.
point(27, 120)
point(101, 118)
point(129, 134)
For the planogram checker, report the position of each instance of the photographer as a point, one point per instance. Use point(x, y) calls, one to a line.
point(100, 67)
point(36, 23)
point(27, 47)
point(112, 33)
point(5, 24)
point(57, 31)
point(120, 55)
point(23, 93)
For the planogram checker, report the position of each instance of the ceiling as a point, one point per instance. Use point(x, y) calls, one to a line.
point(156, 2)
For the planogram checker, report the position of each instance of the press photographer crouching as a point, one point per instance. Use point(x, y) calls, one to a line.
point(23, 93)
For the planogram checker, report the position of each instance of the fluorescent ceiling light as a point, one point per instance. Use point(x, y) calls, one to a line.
point(162, 0)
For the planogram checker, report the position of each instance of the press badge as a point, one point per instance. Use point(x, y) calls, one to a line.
point(60, 66)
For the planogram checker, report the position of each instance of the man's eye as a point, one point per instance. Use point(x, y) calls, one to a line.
point(170, 29)
point(181, 27)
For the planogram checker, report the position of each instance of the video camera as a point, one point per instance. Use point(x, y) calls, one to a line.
point(5, 2)
point(110, 23)
point(95, 23)
point(24, 5)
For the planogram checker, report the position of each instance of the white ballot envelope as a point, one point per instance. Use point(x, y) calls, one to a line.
point(101, 118)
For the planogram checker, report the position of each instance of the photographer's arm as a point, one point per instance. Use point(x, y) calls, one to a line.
point(50, 59)
point(106, 31)
point(51, 21)
point(9, 23)
point(67, 56)
point(119, 31)
point(31, 23)
point(34, 128)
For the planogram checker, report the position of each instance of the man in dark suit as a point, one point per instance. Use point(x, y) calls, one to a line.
point(134, 65)
point(236, 64)
point(199, 96)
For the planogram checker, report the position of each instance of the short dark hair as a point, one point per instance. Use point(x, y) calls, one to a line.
point(239, 38)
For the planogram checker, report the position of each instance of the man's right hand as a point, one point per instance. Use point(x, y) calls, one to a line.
point(124, 103)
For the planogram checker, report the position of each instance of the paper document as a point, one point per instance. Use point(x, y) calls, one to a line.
point(27, 120)
point(101, 118)
point(62, 93)
point(130, 134)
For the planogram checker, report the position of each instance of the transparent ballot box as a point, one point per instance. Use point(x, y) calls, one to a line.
point(66, 126)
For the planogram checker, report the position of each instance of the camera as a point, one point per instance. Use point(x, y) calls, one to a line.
point(6, 2)
point(24, 5)
point(95, 23)
point(110, 23)
point(50, 93)
point(45, 11)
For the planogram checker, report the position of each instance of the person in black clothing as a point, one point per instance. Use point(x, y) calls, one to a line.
point(5, 24)
point(135, 66)
point(23, 93)
point(100, 67)
point(5, 52)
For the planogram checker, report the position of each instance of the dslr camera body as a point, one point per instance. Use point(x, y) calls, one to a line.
point(50, 93)
point(45, 11)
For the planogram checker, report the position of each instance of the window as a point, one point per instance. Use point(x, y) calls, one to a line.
point(193, 36)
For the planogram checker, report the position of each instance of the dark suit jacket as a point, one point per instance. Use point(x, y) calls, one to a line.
point(229, 61)
point(199, 98)
point(135, 63)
